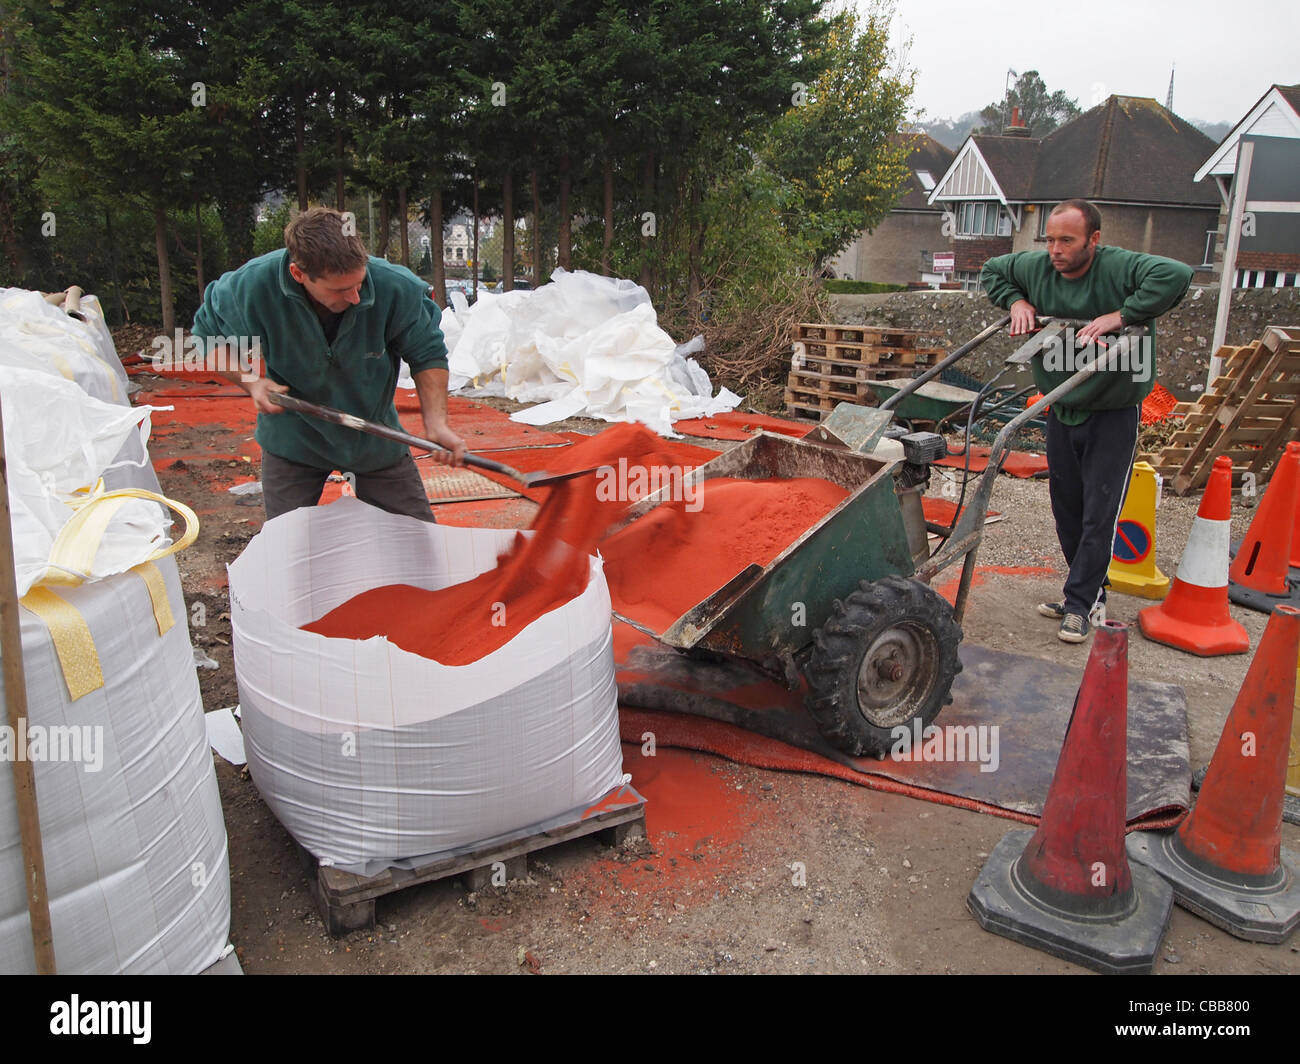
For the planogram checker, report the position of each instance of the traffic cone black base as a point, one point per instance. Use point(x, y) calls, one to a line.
point(1126, 944)
point(1264, 911)
point(1261, 600)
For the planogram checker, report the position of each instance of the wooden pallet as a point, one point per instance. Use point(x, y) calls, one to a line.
point(864, 354)
point(1249, 414)
point(855, 371)
point(832, 364)
point(863, 334)
point(809, 410)
point(346, 902)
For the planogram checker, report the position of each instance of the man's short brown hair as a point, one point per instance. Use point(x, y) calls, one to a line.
point(323, 242)
point(1091, 216)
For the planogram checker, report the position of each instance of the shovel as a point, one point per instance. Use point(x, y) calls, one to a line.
point(351, 421)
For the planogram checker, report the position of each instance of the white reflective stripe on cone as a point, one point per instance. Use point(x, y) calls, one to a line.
point(1205, 558)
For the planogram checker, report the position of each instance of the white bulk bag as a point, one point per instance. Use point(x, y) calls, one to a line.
point(37, 335)
point(373, 757)
point(58, 442)
point(135, 851)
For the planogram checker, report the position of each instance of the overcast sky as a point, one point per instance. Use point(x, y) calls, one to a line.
point(1227, 52)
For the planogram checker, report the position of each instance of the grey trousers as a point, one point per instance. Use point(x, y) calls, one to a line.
point(399, 489)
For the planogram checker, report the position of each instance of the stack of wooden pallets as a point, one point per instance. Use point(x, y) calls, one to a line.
point(836, 363)
point(1249, 414)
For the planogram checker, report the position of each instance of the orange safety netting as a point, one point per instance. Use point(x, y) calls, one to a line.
point(1155, 407)
point(1158, 405)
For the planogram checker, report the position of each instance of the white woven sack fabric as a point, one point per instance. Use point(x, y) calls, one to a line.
point(135, 851)
point(58, 441)
point(373, 757)
point(37, 335)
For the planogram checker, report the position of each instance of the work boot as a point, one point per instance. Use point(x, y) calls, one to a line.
point(1074, 629)
point(1054, 610)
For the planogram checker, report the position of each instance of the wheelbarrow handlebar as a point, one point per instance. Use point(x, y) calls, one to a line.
point(939, 367)
point(968, 532)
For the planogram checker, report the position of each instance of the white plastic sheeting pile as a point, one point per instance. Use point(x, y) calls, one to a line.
point(374, 757)
point(582, 345)
point(132, 832)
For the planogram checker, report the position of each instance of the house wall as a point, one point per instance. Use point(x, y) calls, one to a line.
point(892, 252)
point(1174, 232)
point(1027, 237)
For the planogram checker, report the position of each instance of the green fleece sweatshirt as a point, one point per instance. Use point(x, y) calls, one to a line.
point(395, 320)
point(1141, 287)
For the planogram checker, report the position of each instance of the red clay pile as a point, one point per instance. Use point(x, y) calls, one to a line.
point(741, 522)
point(699, 549)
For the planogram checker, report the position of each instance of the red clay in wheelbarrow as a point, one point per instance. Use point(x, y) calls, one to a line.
point(680, 553)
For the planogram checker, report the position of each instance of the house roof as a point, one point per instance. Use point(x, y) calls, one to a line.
point(1276, 113)
point(928, 155)
point(1013, 160)
point(1128, 149)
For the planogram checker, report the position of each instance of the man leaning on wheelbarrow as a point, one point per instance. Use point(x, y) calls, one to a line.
point(1092, 432)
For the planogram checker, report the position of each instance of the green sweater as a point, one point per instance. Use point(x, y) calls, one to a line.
point(1141, 287)
point(395, 320)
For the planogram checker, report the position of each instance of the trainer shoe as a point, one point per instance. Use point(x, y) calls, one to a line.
point(1054, 610)
point(1074, 629)
point(1097, 615)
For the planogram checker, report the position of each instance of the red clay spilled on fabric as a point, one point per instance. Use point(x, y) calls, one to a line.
point(740, 522)
point(463, 623)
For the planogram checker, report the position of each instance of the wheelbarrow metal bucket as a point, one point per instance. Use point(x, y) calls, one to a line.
point(767, 610)
point(932, 401)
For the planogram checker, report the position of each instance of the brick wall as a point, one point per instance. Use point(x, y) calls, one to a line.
point(972, 253)
point(1268, 260)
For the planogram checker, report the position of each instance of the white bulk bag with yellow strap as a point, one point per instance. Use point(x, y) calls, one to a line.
point(131, 826)
point(373, 757)
point(58, 441)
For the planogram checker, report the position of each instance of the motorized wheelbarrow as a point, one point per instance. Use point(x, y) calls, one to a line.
point(846, 612)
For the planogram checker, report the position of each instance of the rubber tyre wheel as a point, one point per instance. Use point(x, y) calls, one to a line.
point(887, 655)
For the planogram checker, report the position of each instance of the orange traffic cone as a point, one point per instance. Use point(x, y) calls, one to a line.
point(1226, 861)
point(1068, 888)
point(1258, 577)
point(1194, 616)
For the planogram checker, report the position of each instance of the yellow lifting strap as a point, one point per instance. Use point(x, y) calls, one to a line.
point(71, 559)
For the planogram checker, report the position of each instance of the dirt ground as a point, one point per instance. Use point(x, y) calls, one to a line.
point(886, 876)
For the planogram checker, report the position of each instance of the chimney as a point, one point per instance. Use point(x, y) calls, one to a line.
point(1016, 128)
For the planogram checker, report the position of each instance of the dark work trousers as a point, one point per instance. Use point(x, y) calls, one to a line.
point(398, 489)
point(1089, 467)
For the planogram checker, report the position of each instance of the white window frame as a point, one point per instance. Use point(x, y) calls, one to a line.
point(986, 211)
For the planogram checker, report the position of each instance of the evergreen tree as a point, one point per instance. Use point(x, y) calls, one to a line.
point(1040, 110)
